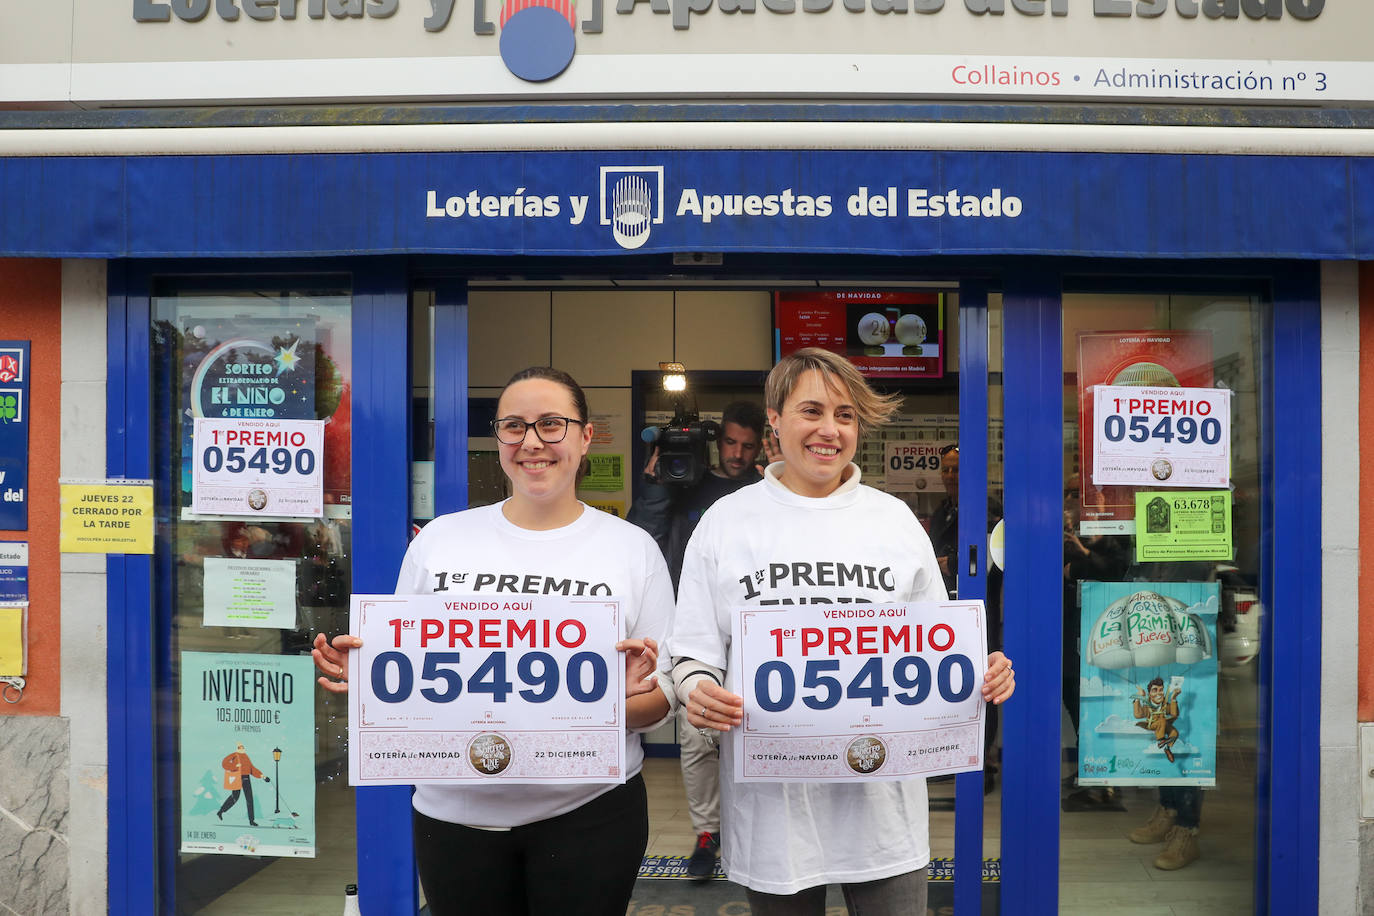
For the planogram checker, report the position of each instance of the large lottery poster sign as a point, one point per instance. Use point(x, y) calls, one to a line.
point(244, 368)
point(1148, 688)
point(1154, 359)
point(836, 693)
point(247, 754)
point(460, 690)
point(1178, 437)
point(258, 467)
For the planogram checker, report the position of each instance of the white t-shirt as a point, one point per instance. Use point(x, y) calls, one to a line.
point(479, 552)
point(765, 545)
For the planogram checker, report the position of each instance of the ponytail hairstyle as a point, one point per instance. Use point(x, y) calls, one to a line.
point(559, 377)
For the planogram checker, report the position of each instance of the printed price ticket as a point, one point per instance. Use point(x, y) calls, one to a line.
point(852, 693)
point(458, 690)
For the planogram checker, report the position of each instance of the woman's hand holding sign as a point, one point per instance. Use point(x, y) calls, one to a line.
point(999, 683)
point(641, 661)
point(712, 706)
point(331, 657)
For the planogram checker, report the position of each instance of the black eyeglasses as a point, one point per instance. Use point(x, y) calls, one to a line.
point(550, 430)
point(946, 449)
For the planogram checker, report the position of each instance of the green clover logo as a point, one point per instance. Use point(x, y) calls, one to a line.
point(9, 407)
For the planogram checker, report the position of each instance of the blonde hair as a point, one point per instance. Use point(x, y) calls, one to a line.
point(873, 409)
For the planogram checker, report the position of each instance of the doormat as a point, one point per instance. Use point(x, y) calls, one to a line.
point(673, 897)
point(664, 889)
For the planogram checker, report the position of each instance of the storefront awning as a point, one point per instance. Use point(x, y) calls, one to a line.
point(586, 203)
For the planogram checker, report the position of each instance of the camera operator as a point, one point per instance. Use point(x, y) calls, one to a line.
point(670, 512)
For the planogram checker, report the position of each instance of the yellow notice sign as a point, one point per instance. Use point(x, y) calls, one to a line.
point(12, 641)
point(107, 516)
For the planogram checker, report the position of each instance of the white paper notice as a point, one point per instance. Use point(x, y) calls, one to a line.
point(851, 693)
point(1161, 437)
point(258, 467)
point(250, 593)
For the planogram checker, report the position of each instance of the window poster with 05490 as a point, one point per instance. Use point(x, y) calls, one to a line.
point(1138, 424)
point(459, 690)
point(1148, 684)
point(258, 467)
point(849, 693)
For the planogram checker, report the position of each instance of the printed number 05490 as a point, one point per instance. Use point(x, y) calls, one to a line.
point(538, 671)
point(775, 683)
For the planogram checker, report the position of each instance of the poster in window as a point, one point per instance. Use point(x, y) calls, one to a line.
point(15, 404)
point(885, 334)
point(1148, 684)
point(264, 368)
point(1159, 359)
point(247, 754)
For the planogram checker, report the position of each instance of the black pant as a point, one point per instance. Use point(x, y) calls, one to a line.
point(247, 783)
point(583, 863)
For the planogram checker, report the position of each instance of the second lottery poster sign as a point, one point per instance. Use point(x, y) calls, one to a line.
point(460, 690)
point(853, 693)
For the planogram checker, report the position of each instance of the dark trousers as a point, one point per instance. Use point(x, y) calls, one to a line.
point(247, 783)
point(583, 863)
point(900, 895)
point(1186, 800)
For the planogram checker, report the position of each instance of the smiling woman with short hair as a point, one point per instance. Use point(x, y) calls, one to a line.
point(786, 841)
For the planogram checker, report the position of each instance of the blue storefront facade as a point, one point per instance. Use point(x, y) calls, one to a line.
point(405, 238)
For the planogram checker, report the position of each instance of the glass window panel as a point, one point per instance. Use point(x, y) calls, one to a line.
point(279, 349)
point(1159, 789)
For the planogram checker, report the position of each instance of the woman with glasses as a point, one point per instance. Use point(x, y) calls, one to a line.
point(771, 544)
point(536, 849)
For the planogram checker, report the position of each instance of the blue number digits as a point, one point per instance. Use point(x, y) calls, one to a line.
point(405, 677)
point(921, 679)
point(547, 678)
point(947, 664)
point(432, 672)
point(813, 678)
point(599, 677)
point(1186, 427)
point(868, 683)
point(787, 686)
point(490, 677)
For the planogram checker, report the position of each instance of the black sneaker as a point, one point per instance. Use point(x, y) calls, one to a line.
point(702, 864)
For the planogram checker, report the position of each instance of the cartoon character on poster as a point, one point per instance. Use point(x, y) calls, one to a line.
point(1148, 684)
point(247, 754)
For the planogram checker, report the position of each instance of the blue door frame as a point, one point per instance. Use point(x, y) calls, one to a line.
point(140, 880)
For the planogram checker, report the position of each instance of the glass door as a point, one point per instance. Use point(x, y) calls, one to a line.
point(1158, 591)
point(1161, 612)
point(253, 794)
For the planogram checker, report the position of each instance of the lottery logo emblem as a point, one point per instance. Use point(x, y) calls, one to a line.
point(538, 37)
point(490, 754)
point(631, 202)
point(1162, 469)
point(866, 755)
point(10, 368)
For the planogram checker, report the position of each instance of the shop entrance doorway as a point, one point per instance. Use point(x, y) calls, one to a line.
point(941, 452)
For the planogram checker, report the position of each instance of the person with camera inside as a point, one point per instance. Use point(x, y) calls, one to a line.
point(669, 511)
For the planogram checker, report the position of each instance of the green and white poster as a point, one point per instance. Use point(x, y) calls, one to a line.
point(605, 473)
point(1188, 525)
point(247, 754)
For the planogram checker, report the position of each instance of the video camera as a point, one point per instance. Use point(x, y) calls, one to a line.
point(682, 453)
